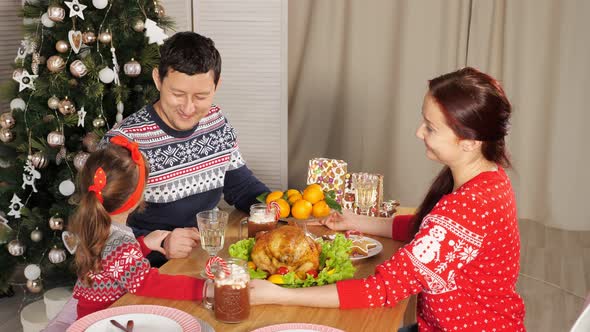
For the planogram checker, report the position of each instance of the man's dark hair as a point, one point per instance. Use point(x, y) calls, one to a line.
point(189, 53)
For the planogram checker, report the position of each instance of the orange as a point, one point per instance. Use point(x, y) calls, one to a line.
point(313, 195)
point(273, 196)
point(320, 209)
point(301, 209)
point(276, 279)
point(294, 198)
point(285, 207)
point(291, 192)
point(314, 185)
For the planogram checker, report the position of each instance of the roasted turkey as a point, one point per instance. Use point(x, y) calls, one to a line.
point(286, 246)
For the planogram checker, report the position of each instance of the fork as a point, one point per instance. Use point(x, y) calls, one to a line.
point(128, 328)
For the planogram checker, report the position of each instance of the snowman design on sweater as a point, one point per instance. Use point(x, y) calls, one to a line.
point(428, 247)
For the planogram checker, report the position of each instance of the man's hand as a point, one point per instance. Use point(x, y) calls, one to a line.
point(180, 242)
point(154, 240)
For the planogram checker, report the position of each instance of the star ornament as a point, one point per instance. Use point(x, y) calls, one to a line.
point(76, 9)
point(81, 116)
point(24, 79)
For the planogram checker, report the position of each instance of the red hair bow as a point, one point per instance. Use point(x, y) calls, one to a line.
point(100, 180)
point(137, 157)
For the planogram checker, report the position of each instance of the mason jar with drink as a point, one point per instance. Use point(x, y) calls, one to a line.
point(262, 218)
point(231, 303)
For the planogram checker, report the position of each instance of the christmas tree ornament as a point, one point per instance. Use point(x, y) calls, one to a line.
point(105, 37)
point(75, 39)
point(66, 106)
point(88, 37)
point(56, 223)
point(53, 102)
point(106, 75)
point(73, 83)
point(62, 46)
point(120, 109)
point(39, 160)
point(154, 33)
point(98, 123)
point(21, 54)
point(6, 135)
point(32, 271)
point(15, 206)
point(7, 120)
point(56, 13)
point(76, 8)
point(78, 69)
point(34, 286)
point(16, 248)
point(56, 255)
point(17, 104)
point(67, 187)
point(90, 141)
point(30, 175)
point(36, 235)
point(55, 139)
point(24, 79)
point(5, 231)
point(132, 68)
point(61, 155)
point(46, 21)
point(138, 26)
point(80, 160)
point(70, 241)
point(55, 63)
point(81, 117)
point(160, 12)
point(115, 66)
point(35, 62)
point(100, 4)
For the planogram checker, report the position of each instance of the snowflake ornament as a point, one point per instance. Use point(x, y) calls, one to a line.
point(30, 175)
point(76, 9)
point(24, 79)
point(15, 206)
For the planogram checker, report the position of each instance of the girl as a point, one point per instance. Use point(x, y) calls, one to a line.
point(109, 260)
point(463, 260)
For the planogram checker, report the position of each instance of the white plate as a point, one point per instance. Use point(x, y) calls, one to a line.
point(142, 322)
point(297, 327)
point(372, 252)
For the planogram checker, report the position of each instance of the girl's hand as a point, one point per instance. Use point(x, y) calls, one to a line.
point(154, 240)
point(264, 292)
point(340, 221)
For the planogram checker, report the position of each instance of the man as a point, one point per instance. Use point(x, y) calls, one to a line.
point(192, 148)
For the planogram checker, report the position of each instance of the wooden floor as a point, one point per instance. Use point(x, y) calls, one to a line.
point(554, 280)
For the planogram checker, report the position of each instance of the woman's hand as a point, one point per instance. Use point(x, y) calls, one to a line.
point(264, 292)
point(154, 240)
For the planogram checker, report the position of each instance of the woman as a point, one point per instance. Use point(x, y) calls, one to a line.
point(463, 260)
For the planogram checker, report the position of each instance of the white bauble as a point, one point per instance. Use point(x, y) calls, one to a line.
point(32, 272)
point(106, 75)
point(17, 104)
point(56, 255)
point(100, 4)
point(67, 187)
point(46, 21)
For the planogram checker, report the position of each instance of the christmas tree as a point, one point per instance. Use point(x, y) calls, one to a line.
point(83, 65)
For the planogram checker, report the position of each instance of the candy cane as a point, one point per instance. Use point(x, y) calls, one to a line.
point(277, 207)
point(220, 263)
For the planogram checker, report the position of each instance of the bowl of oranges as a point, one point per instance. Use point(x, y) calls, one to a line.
point(312, 202)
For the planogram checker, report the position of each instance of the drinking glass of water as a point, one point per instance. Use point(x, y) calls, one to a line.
point(212, 224)
point(366, 191)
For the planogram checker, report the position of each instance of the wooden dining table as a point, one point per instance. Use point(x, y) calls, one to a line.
point(374, 319)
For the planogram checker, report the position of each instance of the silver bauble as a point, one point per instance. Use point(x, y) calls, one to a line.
point(78, 68)
point(34, 286)
point(56, 139)
point(56, 223)
point(88, 37)
point(62, 46)
point(32, 272)
point(66, 106)
point(36, 235)
point(56, 13)
point(56, 255)
point(160, 11)
point(16, 248)
point(53, 102)
point(6, 135)
point(132, 68)
point(98, 122)
point(7, 120)
point(105, 37)
point(17, 104)
point(100, 4)
point(39, 160)
point(46, 21)
point(80, 160)
point(55, 63)
point(139, 26)
point(106, 75)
